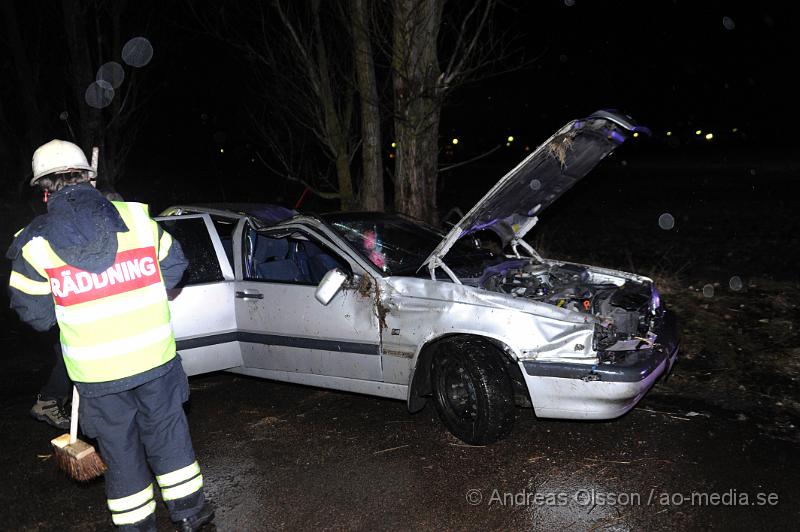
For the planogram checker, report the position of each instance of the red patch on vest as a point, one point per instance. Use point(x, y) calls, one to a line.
point(132, 269)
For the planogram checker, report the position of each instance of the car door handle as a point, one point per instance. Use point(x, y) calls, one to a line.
point(249, 295)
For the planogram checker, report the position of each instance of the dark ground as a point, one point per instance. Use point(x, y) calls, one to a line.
point(726, 422)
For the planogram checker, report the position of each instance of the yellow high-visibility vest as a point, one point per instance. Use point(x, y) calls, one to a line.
point(116, 323)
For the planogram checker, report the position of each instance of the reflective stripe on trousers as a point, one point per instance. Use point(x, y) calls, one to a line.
point(133, 508)
point(181, 482)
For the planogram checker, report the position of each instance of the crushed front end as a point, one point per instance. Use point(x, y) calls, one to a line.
point(598, 355)
point(635, 339)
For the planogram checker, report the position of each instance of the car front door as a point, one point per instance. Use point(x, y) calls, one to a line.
point(202, 306)
point(285, 332)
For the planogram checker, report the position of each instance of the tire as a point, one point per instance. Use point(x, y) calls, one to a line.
point(472, 392)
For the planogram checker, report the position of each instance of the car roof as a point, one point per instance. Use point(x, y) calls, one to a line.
point(177, 210)
point(262, 214)
point(267, 212)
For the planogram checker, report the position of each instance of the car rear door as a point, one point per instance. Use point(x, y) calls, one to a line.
point(202, 307)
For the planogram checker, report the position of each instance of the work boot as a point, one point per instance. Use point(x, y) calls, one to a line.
point(51, 412)
point(196, 522)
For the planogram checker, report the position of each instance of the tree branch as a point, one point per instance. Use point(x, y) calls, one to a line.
point(468, 161)
point(289, 177)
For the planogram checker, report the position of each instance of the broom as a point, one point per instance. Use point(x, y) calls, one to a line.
point(77, 458)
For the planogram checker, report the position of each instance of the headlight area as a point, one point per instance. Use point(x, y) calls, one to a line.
point(627, 318)
point(656, 339)
point(612, 385)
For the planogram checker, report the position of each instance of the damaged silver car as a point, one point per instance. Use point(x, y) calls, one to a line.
point(387, 306)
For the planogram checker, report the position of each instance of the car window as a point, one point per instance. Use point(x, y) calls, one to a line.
point(198, 248)
point(296, 259)
point(397, 246)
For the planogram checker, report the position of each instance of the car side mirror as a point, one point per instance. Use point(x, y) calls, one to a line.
point(330, 285)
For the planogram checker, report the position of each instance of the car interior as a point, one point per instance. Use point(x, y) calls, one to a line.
point(293, 259)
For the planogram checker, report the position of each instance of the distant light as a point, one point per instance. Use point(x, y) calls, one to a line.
point(510, 138)
point(527, 148)
point(735, 130)
point(669, 133)
point(391, 156)
point(394, 144)
point(252, 160)
point(508, 144)
point(698, 132)
point(455, 141)
point(222, 150)
point(709, 136)
point(635, 134)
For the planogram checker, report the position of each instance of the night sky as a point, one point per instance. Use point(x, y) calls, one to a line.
point(674, 65)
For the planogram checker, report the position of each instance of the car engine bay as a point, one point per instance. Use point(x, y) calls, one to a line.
point(626, 309)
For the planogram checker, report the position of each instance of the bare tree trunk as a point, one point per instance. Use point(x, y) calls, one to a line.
point(371, 193)
point(115, 141)
point(81, 71)
point(32, 133)
point(417, 105)
point(337, 133)
point(113, 128)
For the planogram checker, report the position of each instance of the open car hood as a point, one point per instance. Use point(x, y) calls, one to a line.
point(511, 207)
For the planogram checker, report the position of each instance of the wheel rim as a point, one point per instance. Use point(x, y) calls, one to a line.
point(457, 391)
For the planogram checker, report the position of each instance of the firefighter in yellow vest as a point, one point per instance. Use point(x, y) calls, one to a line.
point(100, 270)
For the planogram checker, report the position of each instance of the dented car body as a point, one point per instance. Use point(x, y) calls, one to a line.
point(383, 305)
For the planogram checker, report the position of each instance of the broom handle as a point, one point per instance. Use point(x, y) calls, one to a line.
point(73, 422)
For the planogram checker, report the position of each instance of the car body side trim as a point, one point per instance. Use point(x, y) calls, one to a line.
point(274, 339)
point(368, 387)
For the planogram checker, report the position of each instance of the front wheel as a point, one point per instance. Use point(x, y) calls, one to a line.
point(473, 393)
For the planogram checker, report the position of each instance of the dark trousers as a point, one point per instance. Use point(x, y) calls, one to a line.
point(143, 432)
point(58, 385)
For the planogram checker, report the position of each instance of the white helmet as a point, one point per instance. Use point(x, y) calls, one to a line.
point(58, 156)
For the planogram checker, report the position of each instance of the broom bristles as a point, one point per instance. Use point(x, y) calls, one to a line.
point(78, 460)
